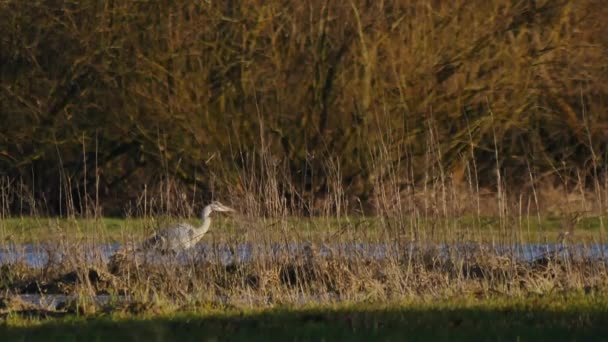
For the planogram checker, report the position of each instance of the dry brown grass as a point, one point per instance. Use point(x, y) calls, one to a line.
point(305, 278)
point(113, 97)
point(411, 224)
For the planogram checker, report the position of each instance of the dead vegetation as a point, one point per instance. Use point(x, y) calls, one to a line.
point(114, 98)
point(298, 278)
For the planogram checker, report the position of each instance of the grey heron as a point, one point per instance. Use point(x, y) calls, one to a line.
point(183, 236)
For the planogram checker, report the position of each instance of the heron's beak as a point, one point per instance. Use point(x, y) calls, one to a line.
point(228, 210)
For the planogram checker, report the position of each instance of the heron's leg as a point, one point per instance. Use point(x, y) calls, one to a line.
point(232, 253)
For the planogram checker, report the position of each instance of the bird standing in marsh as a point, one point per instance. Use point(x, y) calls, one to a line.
point(183, 236)
point(174, 239)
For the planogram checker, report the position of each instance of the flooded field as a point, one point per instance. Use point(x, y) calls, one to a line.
point(237, 280)
point(54, 277)
point(39, 255)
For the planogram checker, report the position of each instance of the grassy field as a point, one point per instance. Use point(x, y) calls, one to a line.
point(548, 318)
point(525, 229)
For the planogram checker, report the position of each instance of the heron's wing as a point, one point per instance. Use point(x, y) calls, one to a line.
point(184, 235)
point(157, 240)
point(175, 237)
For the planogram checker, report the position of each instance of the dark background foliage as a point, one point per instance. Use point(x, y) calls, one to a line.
point(100, 99)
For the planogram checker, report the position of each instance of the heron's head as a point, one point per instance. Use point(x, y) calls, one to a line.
point(217, 206)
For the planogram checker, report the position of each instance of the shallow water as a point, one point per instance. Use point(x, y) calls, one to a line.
point(39, 255)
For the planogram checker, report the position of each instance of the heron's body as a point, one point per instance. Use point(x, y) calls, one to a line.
point(180, 237)
point(183, 236)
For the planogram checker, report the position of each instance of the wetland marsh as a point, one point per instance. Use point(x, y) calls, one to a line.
point(422, 170)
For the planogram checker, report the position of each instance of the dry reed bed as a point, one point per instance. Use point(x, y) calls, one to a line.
point(411, 226)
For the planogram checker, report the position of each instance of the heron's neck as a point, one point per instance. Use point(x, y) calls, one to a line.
point(204, 227)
